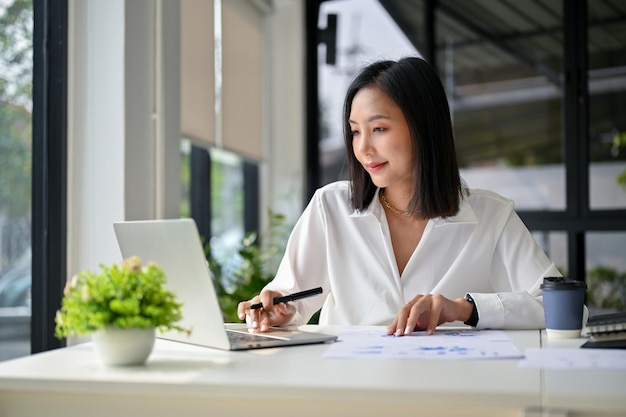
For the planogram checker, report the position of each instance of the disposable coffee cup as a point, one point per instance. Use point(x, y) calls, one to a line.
point(563, 303)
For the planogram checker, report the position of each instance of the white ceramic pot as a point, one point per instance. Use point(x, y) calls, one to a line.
point(123, 347)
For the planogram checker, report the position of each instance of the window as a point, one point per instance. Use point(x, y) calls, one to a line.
point(605, 247)
point(502, 73)
point(221, 184)
point(606, 276)
point(607, 101)
point(15, 176)
point(220, 190)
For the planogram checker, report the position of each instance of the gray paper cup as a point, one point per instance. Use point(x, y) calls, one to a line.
point(563, 303)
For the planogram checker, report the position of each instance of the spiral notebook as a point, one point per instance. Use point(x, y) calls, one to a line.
point(607, 331)
point(176, 247)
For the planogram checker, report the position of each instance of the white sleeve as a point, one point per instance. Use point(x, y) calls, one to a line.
point(519, 265)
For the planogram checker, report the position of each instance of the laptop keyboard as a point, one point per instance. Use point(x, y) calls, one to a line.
point(240, 337)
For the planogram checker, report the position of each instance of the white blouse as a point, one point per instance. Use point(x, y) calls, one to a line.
point(484, 250)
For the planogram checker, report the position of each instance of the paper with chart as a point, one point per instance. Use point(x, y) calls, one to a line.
point(373, 342)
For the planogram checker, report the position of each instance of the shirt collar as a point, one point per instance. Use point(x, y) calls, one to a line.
point(374, 209)
point(465, 215)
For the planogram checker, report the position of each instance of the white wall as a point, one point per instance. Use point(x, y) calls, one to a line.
point(123, 124)
point(96, 131)
point(283, 173)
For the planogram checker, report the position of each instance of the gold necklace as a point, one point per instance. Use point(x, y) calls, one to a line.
point(390, 207)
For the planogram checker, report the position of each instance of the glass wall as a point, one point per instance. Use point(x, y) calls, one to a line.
point(227, 188)
point(607, 101)
point(227, 207)
point(606, 272)
point(607, 106)
point(606, 250)
point(503, 77)
point(15, 176)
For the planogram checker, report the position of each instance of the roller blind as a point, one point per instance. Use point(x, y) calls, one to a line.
point(197, 62)
point(242, 80)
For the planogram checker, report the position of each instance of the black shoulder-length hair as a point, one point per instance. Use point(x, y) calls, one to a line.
point(415, 87)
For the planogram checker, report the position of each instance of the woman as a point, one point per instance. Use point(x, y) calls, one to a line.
point(403, 243)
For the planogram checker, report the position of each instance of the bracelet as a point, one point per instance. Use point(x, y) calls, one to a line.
point(473, 320)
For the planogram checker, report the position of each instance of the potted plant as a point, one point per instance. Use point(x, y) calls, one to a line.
point(121, 306)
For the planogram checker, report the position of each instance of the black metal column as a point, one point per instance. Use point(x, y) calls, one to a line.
point(576, 122)
point(312, 100)
point(430, 34)
point(49, 186)
point(200, 190)
point(251, 222)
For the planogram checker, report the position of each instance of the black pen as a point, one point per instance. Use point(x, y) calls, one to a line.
point(291, 297)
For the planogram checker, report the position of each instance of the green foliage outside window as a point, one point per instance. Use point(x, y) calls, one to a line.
point(619, 141)
point(15, 98)
point(259, 263)
point(606, 289)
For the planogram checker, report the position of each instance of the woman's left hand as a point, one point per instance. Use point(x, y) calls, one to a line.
point(427, 311)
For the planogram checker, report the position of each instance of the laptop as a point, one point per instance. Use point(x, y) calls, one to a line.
point(175, 246)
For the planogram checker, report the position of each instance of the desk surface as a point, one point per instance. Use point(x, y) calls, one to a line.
point(187, 380)
point(591, 390)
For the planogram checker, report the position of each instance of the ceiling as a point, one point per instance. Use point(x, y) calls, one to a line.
point(502, 61)
point(496, 40)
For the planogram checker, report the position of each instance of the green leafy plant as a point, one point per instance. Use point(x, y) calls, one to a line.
point(606, 288)
point(124, 296)
point(259, 263)
point(16, 17)
point(619, 141)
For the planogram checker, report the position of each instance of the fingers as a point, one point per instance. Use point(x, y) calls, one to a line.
point(255, 318)
point(401, 325)
point(242, 307)
point(391, 329)
point(261, 319)
point(436, 306)
point(250, 316)
point(406, 319)
point(421, 312)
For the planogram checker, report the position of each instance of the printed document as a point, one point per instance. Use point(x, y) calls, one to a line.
point(373, 342)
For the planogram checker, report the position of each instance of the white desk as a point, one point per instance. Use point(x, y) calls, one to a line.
point(184, 380)
point(589, 392)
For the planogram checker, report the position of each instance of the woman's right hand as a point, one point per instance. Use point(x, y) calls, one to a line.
point(261, 319)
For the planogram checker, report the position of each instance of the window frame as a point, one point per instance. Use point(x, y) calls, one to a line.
point(49, 170)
